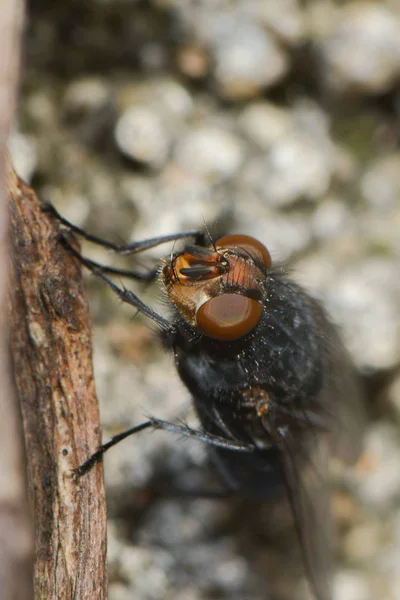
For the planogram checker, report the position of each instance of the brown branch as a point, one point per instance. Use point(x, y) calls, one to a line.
point(51, 350)
point(15, 518)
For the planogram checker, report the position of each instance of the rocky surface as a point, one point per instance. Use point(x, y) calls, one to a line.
point(274, 119)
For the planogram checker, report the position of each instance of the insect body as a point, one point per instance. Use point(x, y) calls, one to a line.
point(267, 370)
point(272, 385)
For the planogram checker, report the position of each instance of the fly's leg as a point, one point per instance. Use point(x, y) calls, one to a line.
point(124, 249)
point(98, 268)
point(98, 455)
point(126, 295)
point(154, 423)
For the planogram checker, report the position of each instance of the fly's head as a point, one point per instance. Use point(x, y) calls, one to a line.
point(219, 290)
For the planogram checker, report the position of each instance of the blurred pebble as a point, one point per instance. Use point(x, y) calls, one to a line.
point(140, 134)
point(380, 184)
point(164, 95)
point(246, 57)
point(319, 17)
point(396, 556)
point(264, 123)
point(119, 591)
point(362, 51)
point(230, 573)
point(295, 168)
point(330, 218)
point(364, 299)
point(285, 18)
point(145, 571)
point(41, 108)
point(379, 486)
point(189, 593)
point(86, 95)
point(351, 585)
point(73, 206)
point(180, 527)
point(393, 395)
point(175, 202)
point(284, 235)
point(310, 120)
point(113, 548)
point(377, 231)
point(192, 60)
point(209, 152)
point(23, 152)
point(362, 542)
point(171, 98)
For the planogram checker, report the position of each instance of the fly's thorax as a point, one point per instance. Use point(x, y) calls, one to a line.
point(219, 291)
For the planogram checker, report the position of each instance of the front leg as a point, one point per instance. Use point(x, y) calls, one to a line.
point(123, 249)
point(154, 423)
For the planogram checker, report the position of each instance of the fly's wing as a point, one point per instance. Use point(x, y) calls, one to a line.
point(341, 399)
point(331, 422)
point(306, 479)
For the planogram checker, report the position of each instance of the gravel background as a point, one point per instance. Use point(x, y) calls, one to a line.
point(274, 118)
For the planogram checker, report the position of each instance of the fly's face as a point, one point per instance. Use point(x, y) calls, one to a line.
point(219, 290)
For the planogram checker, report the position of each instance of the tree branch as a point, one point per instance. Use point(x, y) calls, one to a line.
point(51, 351)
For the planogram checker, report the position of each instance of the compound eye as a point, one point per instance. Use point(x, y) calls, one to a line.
point(249, 244)
point(228, 317)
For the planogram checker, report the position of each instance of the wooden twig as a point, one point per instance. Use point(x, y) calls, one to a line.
point(15, 518)
point(51, 351)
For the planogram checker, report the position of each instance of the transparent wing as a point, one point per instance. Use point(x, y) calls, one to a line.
point(341, 400)
point(306, 476)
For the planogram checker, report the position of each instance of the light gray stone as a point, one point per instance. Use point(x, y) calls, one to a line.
point(264, 123)
point(362, 51)
point(141, 135)
point(380, 184)
point(208, 152)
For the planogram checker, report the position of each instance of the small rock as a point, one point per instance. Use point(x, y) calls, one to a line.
point(264, 123)
point(171, 99)
point(362, 51)
point(193, 61)
point(284, 18)
point(140, 134)
point(295, 168)
point(380, 184)
point(379, 486)
point(309, 119)
point(24, 155)
point(119, 591)
point(86, 95)
point(330, 218)
point(283, 235)
point(41, 108)
point(140, 568)
point(209, 152)
point(177, 201)
point(364, 298)
point(230, 574)
point(247, 58)
point(351, 585)
point(363, 542)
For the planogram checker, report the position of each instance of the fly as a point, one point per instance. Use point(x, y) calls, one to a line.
point(272, 385)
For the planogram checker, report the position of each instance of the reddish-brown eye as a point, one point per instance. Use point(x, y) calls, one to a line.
point(248, 244)
point(228, 317)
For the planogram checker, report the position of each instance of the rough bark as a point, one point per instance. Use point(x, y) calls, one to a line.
point(51, 351)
